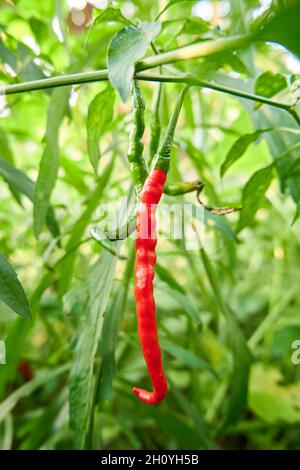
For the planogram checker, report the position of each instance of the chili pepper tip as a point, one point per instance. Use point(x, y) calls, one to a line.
point(148, 397)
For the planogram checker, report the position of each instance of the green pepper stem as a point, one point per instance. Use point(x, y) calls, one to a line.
point(162, 160)
point(155, 126)
point(135, 157)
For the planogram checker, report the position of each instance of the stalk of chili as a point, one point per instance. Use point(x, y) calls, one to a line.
point(135, 157)
point(155, 127)
point(144, 266)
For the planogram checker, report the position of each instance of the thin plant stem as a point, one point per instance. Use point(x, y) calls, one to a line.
point(102, 75)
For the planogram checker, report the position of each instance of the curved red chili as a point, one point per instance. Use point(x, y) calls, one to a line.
point(145, 260)
point(144, 270)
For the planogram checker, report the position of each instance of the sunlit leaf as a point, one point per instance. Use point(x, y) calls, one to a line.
point(174, 2)
point(126, 48)
point(270, 399)
point(111, 14)
point(239, 148)
point(268, 84)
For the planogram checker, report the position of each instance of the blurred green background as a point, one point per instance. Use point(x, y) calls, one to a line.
point(227, 316)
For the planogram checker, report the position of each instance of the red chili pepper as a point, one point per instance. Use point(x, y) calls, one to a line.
point(145, 260)
point(144, 270)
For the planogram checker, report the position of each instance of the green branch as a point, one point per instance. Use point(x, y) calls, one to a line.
point(193, 51)
point(192, 80)
point(53, 82)
point(101, 75)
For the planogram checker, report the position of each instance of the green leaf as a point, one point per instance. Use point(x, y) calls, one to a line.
point(110, 330)
point(11, 290)
point(239, 148)
point(195, 25)
point(79, 227)
point(174, 2)
point(242, 360)
point(187, 357)
point(7, 56)
point(273, 400)
point(17, 179)
point(108, 343)
point(110, 14)
point(281, 143)
point(297, 214)
point(223, 60)
point(268, 84)
point(20, 183)
point(295, 86)
point(241, 355)
point(167, 277)
point(50, 160)
point(184, 302)
point(284, 28)
point(191, 410)
point(293, 169)
point(27, 389)
point(5, 151)
point(125, 49)
point(100, 114)
point(81, 379)
point(253, 194)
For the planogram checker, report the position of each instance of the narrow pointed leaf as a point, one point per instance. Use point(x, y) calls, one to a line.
point(20, 183)
point(11, 290)
point(50, 160)
point(5, 151)
point(81, 380)
point(239, 148)
point(100, 114)
point(188, 358)
point(253, 194)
